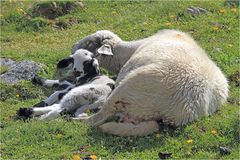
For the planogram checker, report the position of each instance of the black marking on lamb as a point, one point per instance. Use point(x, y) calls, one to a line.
point(61, 95)
point(111, 85)
point(92, 89)
point(40, 104)
point(55, 85)
point(90, 72)
point(65, 62)
point(25, 113)
point(62, 87)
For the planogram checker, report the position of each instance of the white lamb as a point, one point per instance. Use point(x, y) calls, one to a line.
point(88, 92)
point(166, 77)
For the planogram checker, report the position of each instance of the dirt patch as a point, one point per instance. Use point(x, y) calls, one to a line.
point(235, 78)
point(54, 9)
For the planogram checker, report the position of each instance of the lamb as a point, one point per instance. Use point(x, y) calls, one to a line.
point(89, 92)
point(165, 77)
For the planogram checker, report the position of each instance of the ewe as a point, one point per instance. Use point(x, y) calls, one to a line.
point(164, 77)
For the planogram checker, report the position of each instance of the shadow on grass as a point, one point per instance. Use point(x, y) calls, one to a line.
point(116, 144)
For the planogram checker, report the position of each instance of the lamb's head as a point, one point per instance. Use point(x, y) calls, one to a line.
point(100, 42)
point(83, 63)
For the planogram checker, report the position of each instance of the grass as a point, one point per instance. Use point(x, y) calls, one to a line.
point(38, 39)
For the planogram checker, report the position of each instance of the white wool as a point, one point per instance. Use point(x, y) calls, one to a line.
point(167, 77)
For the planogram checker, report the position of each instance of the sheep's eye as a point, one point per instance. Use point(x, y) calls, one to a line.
point(86, 54)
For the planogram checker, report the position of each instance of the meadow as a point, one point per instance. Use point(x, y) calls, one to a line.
point(24, 36)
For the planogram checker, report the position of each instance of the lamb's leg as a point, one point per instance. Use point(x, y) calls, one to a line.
point(57, 96)
point(83, 108)
point(130, 129)
point(50, 83)
point(42, 110)
point(53, 114)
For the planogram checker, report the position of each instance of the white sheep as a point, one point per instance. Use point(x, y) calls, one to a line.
point(166, 77)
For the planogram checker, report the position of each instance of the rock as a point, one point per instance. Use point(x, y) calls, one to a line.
point(196, 10)
point(54, 9)
point(18, 71)
point(224, 150)
point(164, 155)
point(231, 2)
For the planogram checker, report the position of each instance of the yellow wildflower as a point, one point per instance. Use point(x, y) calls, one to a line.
point(168, 24)
point(230, 45)
point(172, 16)
point(222, 10)
point(17, 95)
point(93, 157)
point(189, 141)
point(76, 157)
point(114, 13)
point(233, 9)
point(20, 10)
point(59, 135)
point(214, 131)
point(1, 15)
point(51, 22)
point(215, 28)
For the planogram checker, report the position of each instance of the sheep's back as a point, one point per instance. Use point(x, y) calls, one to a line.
point(171, 79)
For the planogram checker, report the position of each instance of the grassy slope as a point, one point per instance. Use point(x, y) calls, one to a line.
point(130, 20)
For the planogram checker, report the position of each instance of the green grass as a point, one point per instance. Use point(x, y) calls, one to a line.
point(22, 38)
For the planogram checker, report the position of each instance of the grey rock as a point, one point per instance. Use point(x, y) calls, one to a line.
point(196, 10)
point(18, 71)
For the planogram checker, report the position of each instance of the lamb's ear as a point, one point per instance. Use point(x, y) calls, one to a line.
point(105, 50)
point(64, 62)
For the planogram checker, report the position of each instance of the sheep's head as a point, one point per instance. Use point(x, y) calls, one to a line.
point(100, 42)
point(83, 63)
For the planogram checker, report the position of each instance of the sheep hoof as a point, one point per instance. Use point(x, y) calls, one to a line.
point(38, 80)
point(25, 113)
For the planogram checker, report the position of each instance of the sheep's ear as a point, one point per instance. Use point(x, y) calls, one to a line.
point(64, 62)
point(105, 50)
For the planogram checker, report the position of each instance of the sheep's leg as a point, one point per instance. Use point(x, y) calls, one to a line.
point(50, 83)
point(57, 96)
point(42, 110)
point(53, 114)
point(83, 108)
point(99, 117)
point(130, 129)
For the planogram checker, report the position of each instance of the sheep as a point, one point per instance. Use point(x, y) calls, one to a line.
point(113, 51)
point(89, 92)
point(166, 77)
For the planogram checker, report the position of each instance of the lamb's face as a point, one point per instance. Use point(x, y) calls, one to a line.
point(83, 63)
